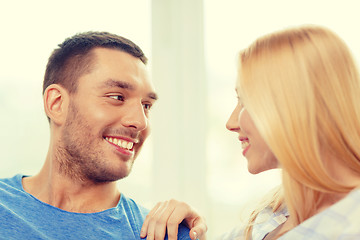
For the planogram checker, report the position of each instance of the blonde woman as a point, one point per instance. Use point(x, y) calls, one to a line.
point(298, 109)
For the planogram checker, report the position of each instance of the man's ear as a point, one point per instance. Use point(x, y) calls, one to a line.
point(56, 101)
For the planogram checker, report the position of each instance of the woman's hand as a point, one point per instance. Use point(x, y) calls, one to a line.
point(167, 216)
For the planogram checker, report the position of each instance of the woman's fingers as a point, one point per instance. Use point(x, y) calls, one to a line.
point(145, 226)
point(167, 216)
point(154, 226)
point(184, 213)
point(199, 229)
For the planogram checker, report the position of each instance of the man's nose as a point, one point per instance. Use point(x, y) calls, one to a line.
point(135, 117)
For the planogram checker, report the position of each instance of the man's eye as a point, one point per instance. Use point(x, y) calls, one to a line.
point(117, 97)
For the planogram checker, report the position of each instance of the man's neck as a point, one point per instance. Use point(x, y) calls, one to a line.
point(71, 195)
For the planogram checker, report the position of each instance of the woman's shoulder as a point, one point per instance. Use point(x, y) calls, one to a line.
point(265, 222)
point(343, 217)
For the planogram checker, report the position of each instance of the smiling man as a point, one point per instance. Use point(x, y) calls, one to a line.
point(97, 97)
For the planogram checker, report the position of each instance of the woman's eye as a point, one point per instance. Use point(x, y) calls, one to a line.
point(147, 106)
point(117, 97)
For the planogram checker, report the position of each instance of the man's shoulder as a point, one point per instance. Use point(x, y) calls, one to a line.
point(129, 205)
point(134, 212)
point(183, 232)
point(11, 183)
point(12, 192)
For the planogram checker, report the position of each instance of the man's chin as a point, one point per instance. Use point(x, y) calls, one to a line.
point(109, 176)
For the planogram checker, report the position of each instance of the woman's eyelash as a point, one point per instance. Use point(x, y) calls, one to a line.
point(147, 106)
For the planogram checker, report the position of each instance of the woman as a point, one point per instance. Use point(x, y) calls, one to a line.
point(298, 109)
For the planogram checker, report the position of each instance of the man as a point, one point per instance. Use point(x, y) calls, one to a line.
point(97, 97)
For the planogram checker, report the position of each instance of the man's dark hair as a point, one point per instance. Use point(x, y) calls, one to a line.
point(74, 57)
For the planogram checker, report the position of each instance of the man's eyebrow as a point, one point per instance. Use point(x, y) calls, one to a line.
point(118, 83)
point(126, 85)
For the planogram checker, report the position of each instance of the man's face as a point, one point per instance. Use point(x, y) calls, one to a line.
point(107, 121)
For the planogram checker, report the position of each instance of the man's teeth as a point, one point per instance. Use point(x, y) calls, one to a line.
point(244, 144)
point(121, 143)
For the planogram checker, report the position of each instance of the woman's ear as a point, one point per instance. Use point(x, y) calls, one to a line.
point(56, 100)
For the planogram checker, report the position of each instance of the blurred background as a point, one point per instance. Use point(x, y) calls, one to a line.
point(192, 46)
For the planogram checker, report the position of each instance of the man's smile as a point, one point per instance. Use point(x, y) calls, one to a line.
point(122, 143)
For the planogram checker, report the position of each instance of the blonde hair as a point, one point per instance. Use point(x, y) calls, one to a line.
point(302, 90)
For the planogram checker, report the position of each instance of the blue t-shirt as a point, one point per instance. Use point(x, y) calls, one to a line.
point(22, 216)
